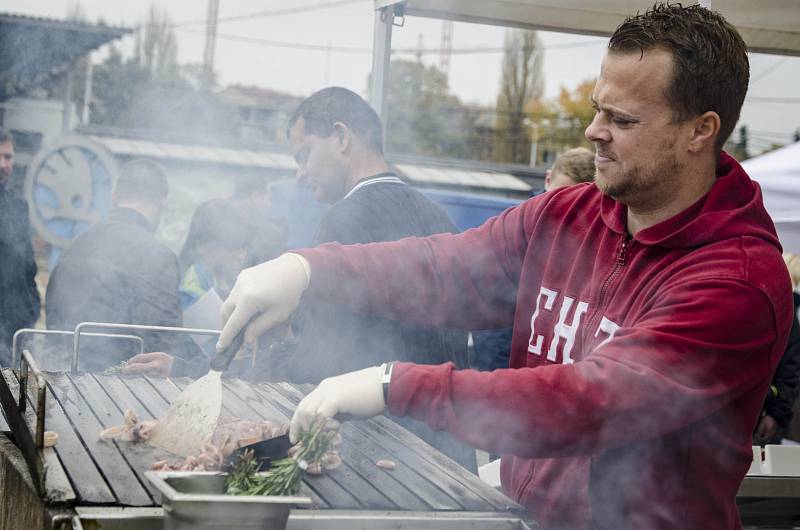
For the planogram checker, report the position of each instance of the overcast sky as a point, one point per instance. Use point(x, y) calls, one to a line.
point(251, 51)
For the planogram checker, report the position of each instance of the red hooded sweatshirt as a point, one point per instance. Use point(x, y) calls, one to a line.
point(638, 365)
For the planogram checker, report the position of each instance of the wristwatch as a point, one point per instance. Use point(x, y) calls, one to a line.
point(386, 379)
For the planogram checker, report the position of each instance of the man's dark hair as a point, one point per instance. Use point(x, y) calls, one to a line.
point(711, 69)
point(6, 136)
point(142, 180)
point(218, 223)
point(324, 108)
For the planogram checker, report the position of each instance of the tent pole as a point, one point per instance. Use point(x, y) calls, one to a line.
point(381, 51)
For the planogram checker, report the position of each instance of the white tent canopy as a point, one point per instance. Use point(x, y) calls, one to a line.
point(778, 173)
point(767, 26)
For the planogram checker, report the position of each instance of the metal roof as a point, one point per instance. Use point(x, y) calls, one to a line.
point(195, 153)
point(32, 48)
point(462, 178)
point(423, 172)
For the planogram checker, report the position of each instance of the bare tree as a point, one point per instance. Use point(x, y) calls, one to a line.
point(156, 46)
point(522, 82)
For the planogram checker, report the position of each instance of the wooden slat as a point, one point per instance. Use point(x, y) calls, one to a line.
point(148, 395)
point(402, 488)
point(121, 479)
point(109, 408)
point(116, 398)
point(436, 468)
point(87, 481)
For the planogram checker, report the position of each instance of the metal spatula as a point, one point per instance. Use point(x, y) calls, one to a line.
point(192, 417)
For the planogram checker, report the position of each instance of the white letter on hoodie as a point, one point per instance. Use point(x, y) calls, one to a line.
point(550, 298)
point(609, 327)
point(567, 332)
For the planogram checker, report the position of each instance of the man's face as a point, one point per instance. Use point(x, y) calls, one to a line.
point(320, 163)
point(640, 152)
point(6, 162)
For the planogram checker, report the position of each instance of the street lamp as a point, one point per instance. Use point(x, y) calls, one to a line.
point(534, 140)
point(534, 125)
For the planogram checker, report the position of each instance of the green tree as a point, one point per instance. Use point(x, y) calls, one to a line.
point(521, 83)
point(151, 91)
point(561, 123)
point(422, 116)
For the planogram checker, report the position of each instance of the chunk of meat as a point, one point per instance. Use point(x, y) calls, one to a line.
point(386, 464)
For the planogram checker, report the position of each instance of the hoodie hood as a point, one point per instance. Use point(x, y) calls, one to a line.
point(732, 208)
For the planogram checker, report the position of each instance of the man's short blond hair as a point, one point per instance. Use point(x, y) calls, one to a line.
point(793, 264)
point(577, 163)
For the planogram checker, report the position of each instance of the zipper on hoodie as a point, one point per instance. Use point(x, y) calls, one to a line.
point(620, 262)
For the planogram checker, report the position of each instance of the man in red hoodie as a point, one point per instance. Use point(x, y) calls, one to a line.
point(649, 308)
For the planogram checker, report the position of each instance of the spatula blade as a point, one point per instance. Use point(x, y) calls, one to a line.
point(191, 418)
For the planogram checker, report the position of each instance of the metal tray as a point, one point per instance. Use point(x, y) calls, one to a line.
point(196, 500)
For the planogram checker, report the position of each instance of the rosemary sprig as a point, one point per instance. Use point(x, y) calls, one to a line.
point(284, 476)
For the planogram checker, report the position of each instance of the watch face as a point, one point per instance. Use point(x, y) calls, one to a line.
point(68, 188)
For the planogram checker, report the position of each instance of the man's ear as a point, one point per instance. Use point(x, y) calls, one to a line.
point(704, 132)
point(343, 134)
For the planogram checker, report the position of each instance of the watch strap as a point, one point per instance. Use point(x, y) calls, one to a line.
point(386, 380)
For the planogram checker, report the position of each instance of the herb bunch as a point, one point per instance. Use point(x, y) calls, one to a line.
point(284, 476)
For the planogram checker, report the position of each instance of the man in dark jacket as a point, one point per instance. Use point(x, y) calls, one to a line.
point(337, 142)
point(19, 298)
point(118, 272)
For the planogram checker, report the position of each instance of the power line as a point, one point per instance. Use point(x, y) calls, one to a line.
point(362, 50)
point(272, 13)
point(768, 71)
point(760, 99)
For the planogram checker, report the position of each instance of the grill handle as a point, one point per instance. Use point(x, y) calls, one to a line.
point(16, 358)
point(130, 327)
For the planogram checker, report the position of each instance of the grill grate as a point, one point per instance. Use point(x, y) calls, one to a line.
point(78, 406)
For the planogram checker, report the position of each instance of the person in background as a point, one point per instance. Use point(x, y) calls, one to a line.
point(492, 347)
point(253, 196)
point(215, 250)
point(778, 410)
point(19, 297)
point(649, 310)
point(117, 271)
point(573, 166)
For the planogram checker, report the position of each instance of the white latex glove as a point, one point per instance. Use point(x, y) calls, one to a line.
point(356, 394)
point(263, 297)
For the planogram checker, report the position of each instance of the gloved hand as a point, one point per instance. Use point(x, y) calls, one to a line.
point(358, 394)
point(263, 297)
point(152, 363)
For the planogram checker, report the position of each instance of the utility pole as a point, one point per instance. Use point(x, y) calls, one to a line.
point(87, 90)
point(446, 48)
point(211, 41)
